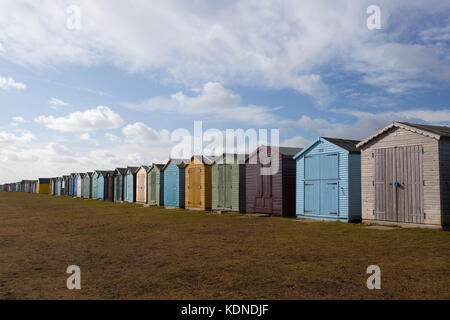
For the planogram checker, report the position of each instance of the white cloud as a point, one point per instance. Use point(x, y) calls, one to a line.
point(57, 103)
point(436, 34)
point(8, 82)
point(142, 133)
point(368, 123)
point(112, 137)
point(214, 101)
point(7, 138)
point(99, 118)
point(85, 136)
point(19, 119)
point(295, 142)
point(258, 43)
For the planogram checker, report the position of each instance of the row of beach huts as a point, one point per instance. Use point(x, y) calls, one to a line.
point(399, 175)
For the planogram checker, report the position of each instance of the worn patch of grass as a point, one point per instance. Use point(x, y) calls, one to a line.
point(129, 252)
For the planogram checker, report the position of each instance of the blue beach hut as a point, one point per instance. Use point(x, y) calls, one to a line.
point(174, 183)
point(328, 179)
point(129, 188)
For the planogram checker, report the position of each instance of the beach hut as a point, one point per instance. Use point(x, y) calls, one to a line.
point(59, 184)
point(270, 181)
point(141, 184)
point(35, 186)
point(174, 183)
point(129, 192)
point(109, 186)
point(94, 184)
point(87, 185)
point(43, 186)
point(155, 185)
point(65, 185)
point(72, 184)
point(79, 188)
point(405, 175)
point(119, 175)
point(100, 184)
point(228, 183)
point(198, 183)
point(54, 186)
point(329, 180)
point(51, 186)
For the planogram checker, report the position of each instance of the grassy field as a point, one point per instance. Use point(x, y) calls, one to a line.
point(129, 252)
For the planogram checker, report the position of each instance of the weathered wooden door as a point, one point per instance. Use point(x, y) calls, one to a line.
point(141, 187)
point(398, 184)
point(263, 200)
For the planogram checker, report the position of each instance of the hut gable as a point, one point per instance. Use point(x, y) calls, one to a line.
point(435, 132)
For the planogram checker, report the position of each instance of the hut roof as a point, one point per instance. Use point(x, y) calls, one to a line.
point(436, 132)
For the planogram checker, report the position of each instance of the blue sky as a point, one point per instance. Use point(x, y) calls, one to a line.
point(110, 93)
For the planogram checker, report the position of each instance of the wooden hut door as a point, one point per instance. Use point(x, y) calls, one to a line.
point(141, 187)
point(398, 184)
point(224, 186)
point(227, 186)
point(220, 186)
point(198, 173)
point(263, 201)
point(152, 187)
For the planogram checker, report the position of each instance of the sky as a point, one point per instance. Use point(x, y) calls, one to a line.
point(98, 84)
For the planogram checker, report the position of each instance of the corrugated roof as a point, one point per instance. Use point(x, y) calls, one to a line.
point(132, 169)
point(442, 131)
point(288, 151)
point(349, 145)
point(436, 132)
point(122, 171)
point(157, 165)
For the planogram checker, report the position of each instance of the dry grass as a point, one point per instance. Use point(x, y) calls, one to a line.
point(129, 252)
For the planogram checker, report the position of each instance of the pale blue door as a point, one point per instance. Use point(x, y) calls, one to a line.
point(101, 187)
point(321, 185)
point(170, 187)
point(329, 175)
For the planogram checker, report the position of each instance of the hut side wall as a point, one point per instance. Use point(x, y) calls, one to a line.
point(354, 187)
point(288, 184)
point(445, 180)
point(397, 137)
